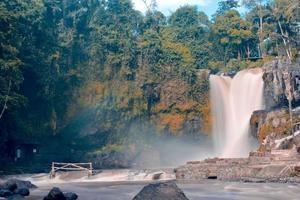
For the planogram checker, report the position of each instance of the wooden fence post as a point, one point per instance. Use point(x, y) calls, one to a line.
point(90, 173)
point(52, 174)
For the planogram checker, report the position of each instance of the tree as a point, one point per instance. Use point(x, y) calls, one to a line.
point(224, 6)
point(191, 28)
point(284, 15)
point(234, 34)
point(151, 6)
point(13, 41)
point(258, 7)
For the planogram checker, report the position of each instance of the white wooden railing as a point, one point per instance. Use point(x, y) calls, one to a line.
point(71, 167)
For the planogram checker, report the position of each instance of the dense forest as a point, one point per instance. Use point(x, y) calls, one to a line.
point(88, 76)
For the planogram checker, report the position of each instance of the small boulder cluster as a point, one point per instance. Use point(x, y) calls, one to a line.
point(15, 189)
point(56, 194)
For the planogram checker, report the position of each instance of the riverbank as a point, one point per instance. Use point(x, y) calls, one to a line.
point(275, 166)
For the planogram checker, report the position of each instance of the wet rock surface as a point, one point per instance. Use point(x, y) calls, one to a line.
point(15, 189)
point(161, 191)
point(5, 193)
point(56, 194)
point(22, 191)
point(70, 196)
point(19, 184)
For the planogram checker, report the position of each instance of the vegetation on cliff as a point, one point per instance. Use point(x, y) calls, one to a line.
point(103, 71)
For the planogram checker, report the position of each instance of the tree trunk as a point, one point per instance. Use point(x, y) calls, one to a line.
point(5, 100)
point(285, 41)
point(261, 32)
point(248, 52)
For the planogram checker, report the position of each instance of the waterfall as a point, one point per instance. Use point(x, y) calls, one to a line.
point(233, 102)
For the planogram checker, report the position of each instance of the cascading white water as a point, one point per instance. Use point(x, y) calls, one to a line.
point(233, 102)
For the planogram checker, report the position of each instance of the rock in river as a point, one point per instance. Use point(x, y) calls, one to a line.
point(161, 191)
point(70, 196)
point(5, 193)
point(22, 191)
point(12, 184)
point(55, 194)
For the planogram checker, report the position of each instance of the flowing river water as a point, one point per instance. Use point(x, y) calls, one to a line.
point(210, 190)
point(125, 184)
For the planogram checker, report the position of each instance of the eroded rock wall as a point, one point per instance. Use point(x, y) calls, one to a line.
point(282, 80)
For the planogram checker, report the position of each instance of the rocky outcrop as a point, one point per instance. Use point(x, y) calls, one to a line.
point(15, 183)
point(161, 191)
point(270, 127)
point(70, 196)
point(22, 191)
point(281, 82)
point(56, 194)
point(275, 166)
point(15, 189)
point(281, 85)
point(5, 193)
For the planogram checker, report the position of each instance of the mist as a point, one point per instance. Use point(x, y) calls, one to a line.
point(163, 149)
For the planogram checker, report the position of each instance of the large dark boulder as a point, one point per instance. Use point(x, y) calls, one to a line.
point(161, 191)
point(5, 193)
point(22, 191)
point(70, 196)
point(13, 184)
point(10, 185)
point(55, 194)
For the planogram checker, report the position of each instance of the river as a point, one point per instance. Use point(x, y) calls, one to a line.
point(125, 184)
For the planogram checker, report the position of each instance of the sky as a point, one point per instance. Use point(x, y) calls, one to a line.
point(169, 6)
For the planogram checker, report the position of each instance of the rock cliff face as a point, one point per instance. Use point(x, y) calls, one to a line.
point(115, 122)
point(281, 82)
point(271, 126)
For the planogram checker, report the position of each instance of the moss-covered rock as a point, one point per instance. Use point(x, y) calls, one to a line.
point(270, 126)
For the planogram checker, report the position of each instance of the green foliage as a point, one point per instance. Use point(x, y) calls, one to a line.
point(225, 6)
point(70, 67)
point(234, 35)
